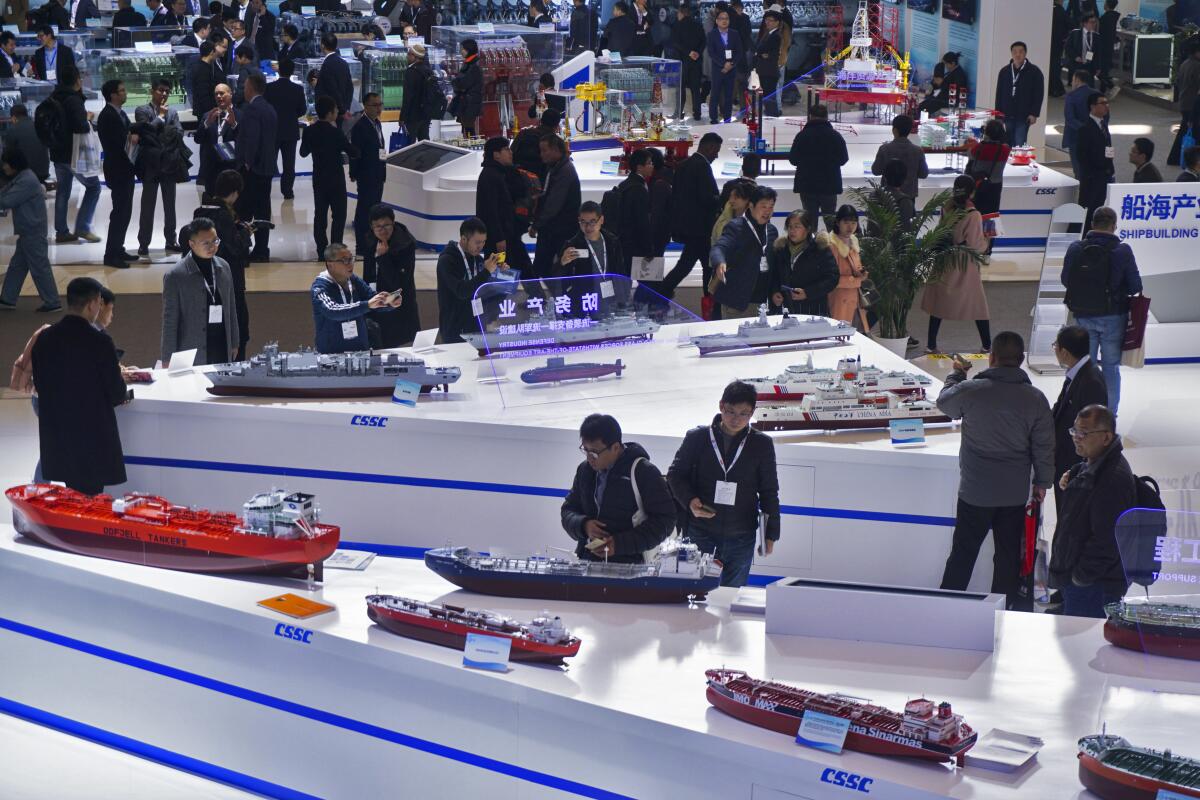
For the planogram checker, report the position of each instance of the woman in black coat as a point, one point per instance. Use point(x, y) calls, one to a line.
point(467, 103)
point(801, 267)
point(394, 269)
point(235, 245)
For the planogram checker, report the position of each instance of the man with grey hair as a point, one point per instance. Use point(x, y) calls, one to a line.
point(341, 301)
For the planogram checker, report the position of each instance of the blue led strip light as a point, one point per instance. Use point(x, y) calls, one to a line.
point(314, 714)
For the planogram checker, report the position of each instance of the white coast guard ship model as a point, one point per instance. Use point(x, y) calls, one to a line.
point(799, 380)
point(845, 404)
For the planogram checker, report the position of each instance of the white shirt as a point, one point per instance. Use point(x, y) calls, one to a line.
point(1073, 371)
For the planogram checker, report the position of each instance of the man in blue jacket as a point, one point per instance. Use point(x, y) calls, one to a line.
point(739, 258)
point(1075, 112)
point(341, 301)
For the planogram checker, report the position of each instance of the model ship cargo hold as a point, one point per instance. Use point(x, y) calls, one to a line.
point(759, 333)
point(548, 335)
point(925, 729)
point(557, 369)
point(543, 640)
point(1114, 769)
point(1161, 629)
point(276, 533)
point(679, 571)
point(310, 374)
point(804, 379)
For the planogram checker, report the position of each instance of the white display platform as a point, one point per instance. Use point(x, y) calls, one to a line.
point(188, 663)
point(466, 468)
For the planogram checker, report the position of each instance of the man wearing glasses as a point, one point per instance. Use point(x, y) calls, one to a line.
point(1094, 154)
point(619, 505)
point(1085, 562)
point(341, 301)
point(591, 251)
point(369, 169)
point(199, 312)
point(724, 476)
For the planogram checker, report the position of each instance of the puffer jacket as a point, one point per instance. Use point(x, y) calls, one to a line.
point(814, 270)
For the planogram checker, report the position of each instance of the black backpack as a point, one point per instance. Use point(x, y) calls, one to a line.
point(1089, 281)
point(176, 160)
point(50, 122)
point(1141, 528)
point(610, 209)
point(434, 98)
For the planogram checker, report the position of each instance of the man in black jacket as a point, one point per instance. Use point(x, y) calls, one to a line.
point(695, 204)
point(818, 153)
point(206, 74)
point(414, 108)
point(1060, 26)
point(389, 265)
point(461, 270)
point(79, 383)
point(1094, 151)
point(127, 17)
point(1084, 386)
point(593, 249)
point(619, 505)
point(368, 170)
point(632, 225)
point(326, 142)
point(416, 14)
point(260, 29)
point(688, 40)
point(526, 147)
point(740, 255)
point(619, 31)
point(200, 29)
point(1085, 562)
point(172, 16)
point(290, 46)
point(287, 98)
point(557, 214)
point(724, 476)
point(255, 152)
point(494, 204)
point(1082, 46)
point(52, 57)
point(69, 95)
point(584, 25)
point(334, 77)
point(112, 126)
point(1019, 91)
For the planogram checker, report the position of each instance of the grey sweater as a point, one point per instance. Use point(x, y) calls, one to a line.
point(1007, 430)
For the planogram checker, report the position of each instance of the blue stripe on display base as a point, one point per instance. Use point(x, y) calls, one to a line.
point(150, 752)
point(1174, 360)
point(313, 714)
point(869, 516)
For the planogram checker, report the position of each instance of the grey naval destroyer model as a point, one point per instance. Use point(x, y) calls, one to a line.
point(759, 333)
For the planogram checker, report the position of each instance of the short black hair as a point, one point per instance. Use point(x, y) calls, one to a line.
point(551, 118)
point(1191, 156)
point(68, 75)
point(245, 51)
point(1019, 43)
point(895, 172)
point(200, 23)
point(639, 158)
point(15, 158)
point(200, 225)
point(291, 30)
point(1009, 349)
point(258, 81)
point(739, 392)
point(1145, 147)
point(471, 46)
point(950, 57)
point(761, 193)
point(206, 48)
point(1104, 219)
point(591, 207)
point(81, 291)
point(846, 212)
point(492, 146)
point(329, 41)
point(324, 105)
point(109, 88)
point(902, 124)
point(106, 296)
point(45, 30)
point(471, 226)
point(368, 95)
point(555, 141)
point(711, 138)
point(546, 80)
point(6, 37)
point(162, 83)
point(1083, 75)
point(600, 428)
point(286, 68)
point(621, 4)
point(215, 7)
point(994, 130)
point(19, 110)
point(1074, 339)
point(381, 211)
point(228, 182)
point(1095, 97)
point(818, 111)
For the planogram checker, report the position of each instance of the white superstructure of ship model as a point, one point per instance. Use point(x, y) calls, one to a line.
point(845, 404)
point(760, 333)
point(800, 380)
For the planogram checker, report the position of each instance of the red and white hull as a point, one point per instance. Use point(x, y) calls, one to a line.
point(1115, 784)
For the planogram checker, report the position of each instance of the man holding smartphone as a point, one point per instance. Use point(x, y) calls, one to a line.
point(724, 474)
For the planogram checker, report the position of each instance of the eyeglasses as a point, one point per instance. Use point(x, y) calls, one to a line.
point(737, 414)
point(1078, 434)
point(382, 226)
point(595, 453)
point(208, 243)
point(342, 260)
point(588, 223)
point(374, 104)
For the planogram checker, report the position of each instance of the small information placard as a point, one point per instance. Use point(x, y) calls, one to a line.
point(822, 731)
point(907, 432)
point(143, 47)
point(415, 40)
point(614, 58)
point(487, 27)
point(406, 393)
point(308, 11)
point(477, 307)
point(548, 27)
point(487, 652)
point(1167, 794)
point(394, 38)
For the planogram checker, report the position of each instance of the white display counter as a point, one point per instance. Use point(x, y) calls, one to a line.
point(187, 669)
point(487, 465)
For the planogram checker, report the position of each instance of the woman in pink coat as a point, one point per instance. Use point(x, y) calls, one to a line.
point(843, 301)
point(958, 294)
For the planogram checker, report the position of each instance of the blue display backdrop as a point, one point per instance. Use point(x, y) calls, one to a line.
point(964, 39)
point(923, 45)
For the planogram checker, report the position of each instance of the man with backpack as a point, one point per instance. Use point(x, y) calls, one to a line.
point(57, 119)
point(424, 99)
point(1100, 274)
point(160, 164)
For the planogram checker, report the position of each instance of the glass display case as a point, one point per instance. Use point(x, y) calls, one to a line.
point(82, 44)
point(306, 66)
point(383, 71)
point(154, 34)
point(27, 91)
point(545, 47)
point(640, 85)
point(139, 71)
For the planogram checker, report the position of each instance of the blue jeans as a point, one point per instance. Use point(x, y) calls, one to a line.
point(1107, 333)
point(1086, 601)
point(1018, 132)
point(62, 199)
point(736, 554)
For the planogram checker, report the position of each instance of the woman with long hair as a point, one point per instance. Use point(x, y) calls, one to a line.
point(801, 268)
point(958, 294)
point(843, 299)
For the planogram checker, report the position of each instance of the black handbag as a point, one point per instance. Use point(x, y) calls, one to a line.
point(868, 295)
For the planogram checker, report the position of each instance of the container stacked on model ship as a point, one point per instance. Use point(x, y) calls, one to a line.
point(557, 369)
point(925, 730)
point(277, 532)
point(834, 406)
point(799, 380)
point(1161, 629)
point(543, 640)
point(1114, 769)
point(759, 333)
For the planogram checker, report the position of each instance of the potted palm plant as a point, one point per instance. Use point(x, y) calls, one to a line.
point(902, 258)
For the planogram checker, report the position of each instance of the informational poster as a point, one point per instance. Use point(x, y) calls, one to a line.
point(964, 40)
point(1155, 10)
point(923, 46)
point(1160, 221)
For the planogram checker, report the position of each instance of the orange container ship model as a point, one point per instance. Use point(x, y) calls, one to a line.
point(276, 533)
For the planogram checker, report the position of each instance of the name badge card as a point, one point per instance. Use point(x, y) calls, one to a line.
point(487, 652)
point(350, 329)
point(606, 289)
point(414, 40)
point(728, 55)
point(215, 315)
point(762, 264)
point(51, 74)
point(822, 731)
point(907, 432)
point(406, 393)
point(726, 493)
point(1109, 152)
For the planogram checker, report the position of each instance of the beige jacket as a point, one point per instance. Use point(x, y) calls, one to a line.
point(22, 370)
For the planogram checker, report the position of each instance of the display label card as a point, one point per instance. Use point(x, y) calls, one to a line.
point(487, 652)
point(395, 38)
point(143, 47)
point(184, 359)
point(424, 340)
point(295, 606)
point(609, 167)
point(349, 559)
point(161, 47)
point(416, 40)
point(406, 393)
point(546, 26)
point(1167, 794)
point(606, 289)
point(477, 307)
point(486, 27)
point(907, 432)
point(823, 731)
point(308, 11)
point(13, 29)
point(491, 370)
point(614, 58)
point(731, 169)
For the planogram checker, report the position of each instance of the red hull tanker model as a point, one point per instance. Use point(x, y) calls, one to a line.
point(543, 640)
point(1161, 629)
point(924, 730)
point(1114, 769)
point(276, 533)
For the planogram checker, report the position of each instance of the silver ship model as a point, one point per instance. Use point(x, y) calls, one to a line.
point(760, 333)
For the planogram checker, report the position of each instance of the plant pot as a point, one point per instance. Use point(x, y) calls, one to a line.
point(897, 346)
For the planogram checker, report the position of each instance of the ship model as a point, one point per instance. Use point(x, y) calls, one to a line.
point(844, 405)
point(276, 532)
point(679, 572)
point(925, 730)
point(557, 370)
point(1161, 629)
point(307, 373)
point(799, 380)
point(1114, 769)
point(621, 327)
point(543, 640)
point(761, 334)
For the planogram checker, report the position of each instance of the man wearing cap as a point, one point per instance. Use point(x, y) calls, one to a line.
point(414, 109)
point(687, 39)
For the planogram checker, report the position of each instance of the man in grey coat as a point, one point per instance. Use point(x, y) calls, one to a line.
point(1007, 431)
point(22, 135)
point(904, 150)
point(25, 195)
point(199, 312)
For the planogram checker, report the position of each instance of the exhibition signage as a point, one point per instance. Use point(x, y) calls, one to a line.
point(487, 652)
point(406, 393)
point(823, 731)
point(907, 432)
point(1160, 221)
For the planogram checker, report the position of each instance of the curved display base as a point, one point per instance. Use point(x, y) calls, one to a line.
point(325, 394)
point(639, 591)
point(839, 424)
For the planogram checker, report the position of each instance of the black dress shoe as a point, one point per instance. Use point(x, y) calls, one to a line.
point(46, 308)
point(116, 263)
point(125, 256)
point(172, 247)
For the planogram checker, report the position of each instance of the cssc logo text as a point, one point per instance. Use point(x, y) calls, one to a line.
point(847, 780)
point(370, 422)
point(299, 634)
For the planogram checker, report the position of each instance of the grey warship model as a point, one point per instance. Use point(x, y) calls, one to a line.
point(306, 373)
point(759, 333)
point(543, 334)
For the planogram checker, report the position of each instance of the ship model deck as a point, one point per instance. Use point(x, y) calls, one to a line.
point(1114, 769)
point(557, 369)
point(1161, 629)
point(800, 380)
point(549, 333)
point(542, 640)
point(276, 533)
point(680, 572)
point(761, 334)
point(843, 405)
point(924, 730)
point(306, 373)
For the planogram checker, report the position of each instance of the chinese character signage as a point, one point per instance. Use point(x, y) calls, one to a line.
point(1160, 221)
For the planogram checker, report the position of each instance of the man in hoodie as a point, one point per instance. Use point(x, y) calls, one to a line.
point(1085, 562)
point(341, 302)
point(1007, 431)
point(619, 505)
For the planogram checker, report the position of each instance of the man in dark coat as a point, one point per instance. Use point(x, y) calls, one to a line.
point(818, 153)
point(333, 79)
point(461, 270)
point(207, 73)
point(695, 204)
point(600, 510)
point(494, 204)
point(287, 98)
point(1060, 26)
point(526, 150)
point(1094, 152)
point(1019, 91)
point(414, 107)
point(389, 265)
point(112, 127)
point(127, 17)
point(583, 28)
point(369, 169)
point(740, 256)
point(256, 145)
point(1084, 386)
point(417, 14)
point(260, 29)
point(79, 383)
point(52, 57)
point(620, 30)
point(688, 41)
point(557, 215)
point(1082, 46)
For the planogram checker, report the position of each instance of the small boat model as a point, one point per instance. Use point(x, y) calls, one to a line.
point(800, 380)
point(1161, 629)
point(1114, 769)
point(557, 370)
point(761, 334)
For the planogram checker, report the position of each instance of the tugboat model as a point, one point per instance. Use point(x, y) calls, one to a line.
point(760, 333)
point(924, 730)
point(613, 328)
point(557, 369)
point(310, 374)
point(276, 533)
point(804, 379)
point(835, 406)
point(1114, 769)
point(543, 640)
point(1161, 629)
point(679, 572)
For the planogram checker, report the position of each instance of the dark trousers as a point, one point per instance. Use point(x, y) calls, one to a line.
point(1054, 71)
point(770, 100)
point(690, 79)
point(823, 206)
point(151, 188)
point(287, 177)
point(549, 246)
point(736, 554)
point(720, 102)
point(333, 198)
point(982, 325)
point(122, 211)
point(418, 130)
point(1175, 157)
point(695, 248)
point(971, 525)
point(370, 192)
point(255, 203)
point(1086, 601)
